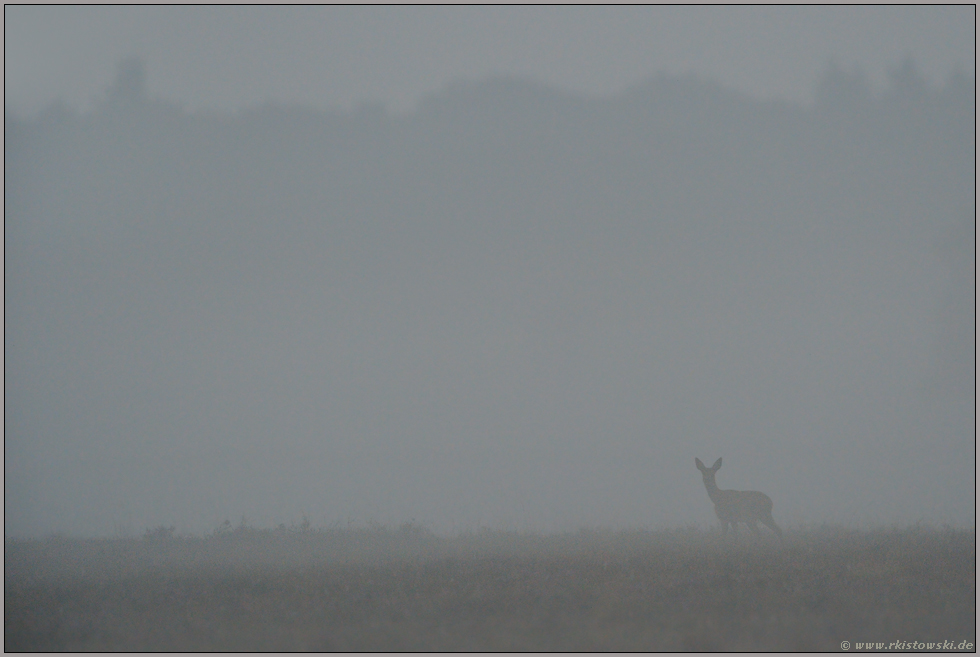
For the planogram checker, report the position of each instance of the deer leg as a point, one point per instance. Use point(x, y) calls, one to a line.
point(771, 524)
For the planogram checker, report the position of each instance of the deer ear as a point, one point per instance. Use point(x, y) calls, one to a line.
point(716, 465)
point(698, 463)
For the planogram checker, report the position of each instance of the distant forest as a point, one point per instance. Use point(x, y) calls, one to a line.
point(502, 160)
point(509, 263)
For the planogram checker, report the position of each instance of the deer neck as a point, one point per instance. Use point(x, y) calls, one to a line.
point(713, 492)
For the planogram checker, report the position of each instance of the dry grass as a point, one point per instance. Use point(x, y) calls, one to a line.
point(406, 589)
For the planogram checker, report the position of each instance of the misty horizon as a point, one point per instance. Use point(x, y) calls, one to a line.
point(513, 306)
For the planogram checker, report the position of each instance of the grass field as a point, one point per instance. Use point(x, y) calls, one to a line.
point(406, 589)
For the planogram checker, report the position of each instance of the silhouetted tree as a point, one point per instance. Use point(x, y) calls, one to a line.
point(130, 81)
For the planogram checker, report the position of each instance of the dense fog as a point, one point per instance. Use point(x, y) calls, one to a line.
point(512, 307)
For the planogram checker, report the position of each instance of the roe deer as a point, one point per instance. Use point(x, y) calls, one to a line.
point(735, 506)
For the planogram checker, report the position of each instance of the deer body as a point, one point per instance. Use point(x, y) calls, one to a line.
point(735, 506)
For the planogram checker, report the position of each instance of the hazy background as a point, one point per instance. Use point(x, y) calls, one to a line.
point(495, 267)
point(226, 58)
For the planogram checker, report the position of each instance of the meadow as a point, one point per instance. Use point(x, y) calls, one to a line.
point(406, 589)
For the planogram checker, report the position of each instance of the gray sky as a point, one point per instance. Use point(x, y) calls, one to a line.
point(512, 306)
point(229, 57)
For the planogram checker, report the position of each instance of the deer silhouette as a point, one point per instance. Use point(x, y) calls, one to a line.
point(735, 506)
